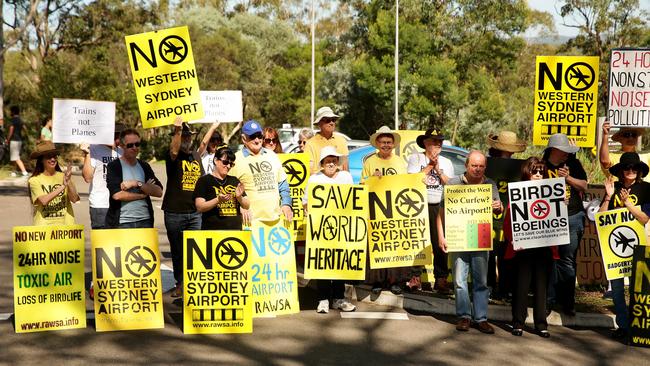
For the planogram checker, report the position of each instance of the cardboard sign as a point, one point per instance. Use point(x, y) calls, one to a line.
point(216, 282)
point(49, 278)
point(468, 217)
point(590, 269)
point(76, 121)
point(639, 313)
point(566, 98)
point(538, 212)
point(399, 221)
point(337, 232)
point(126, 278)
point(164, 76)
point(618, 233)
point(629, 88)
point(221, 106)
point(274, 279)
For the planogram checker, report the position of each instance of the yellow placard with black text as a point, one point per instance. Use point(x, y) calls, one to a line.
point(408, 144)
point(216, 282)
point(618, 233)
point(468, 217)
point(165, 78)
point(296, 167)
point(337, 232)
point(274, 280)
point(48, 278)
point(399, 221)
point(566, 99)
point(126, 279)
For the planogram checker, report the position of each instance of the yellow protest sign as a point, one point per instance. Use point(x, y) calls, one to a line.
point(399, 221)
point(618, 233)
point(296, 166)
point(164, 76)
point(468, 217)
point(49, 277)
point(126, 278)
point(407, 144)
point(216, 291)
point(566, 98)
point(337, 232)
point(274, 282)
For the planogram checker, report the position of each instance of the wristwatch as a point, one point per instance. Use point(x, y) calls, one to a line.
point(139, 184)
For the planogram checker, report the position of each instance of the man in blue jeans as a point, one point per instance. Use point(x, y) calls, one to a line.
point(184, 168)
point(476, 261)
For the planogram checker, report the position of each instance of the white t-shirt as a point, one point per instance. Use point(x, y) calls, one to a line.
point(342, 177)
point(418, 161)
point(207, 160)
point(100, 156)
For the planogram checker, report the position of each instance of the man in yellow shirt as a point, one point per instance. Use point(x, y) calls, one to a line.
point(326, 121)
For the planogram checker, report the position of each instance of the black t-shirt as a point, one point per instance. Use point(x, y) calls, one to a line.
point(639, 195)
point(575, 171)
point(225, 215)
point(182, 175)
point(18, 129)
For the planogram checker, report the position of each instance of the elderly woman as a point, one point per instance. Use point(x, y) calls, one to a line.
point(631, 192)
point(330, 173)
point(51, 190)
point(304, 135)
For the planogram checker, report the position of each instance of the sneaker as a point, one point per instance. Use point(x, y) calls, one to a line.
point(343, 305)
point(25, 174)
point(323, 307)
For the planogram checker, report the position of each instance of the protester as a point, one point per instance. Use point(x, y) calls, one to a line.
point(476, 260)
point(561, 162)
point(502, 145)
point(209, 144)
point(15, 141)
point(628, 137)
point(326, 122)
point(437, 169)
point(46, 130)
point(272, 140)
point(219, 196)
point(630, 191)
point(131, 182)
point(263, 177)
point(51, 190)
point(529, 265)
point(382, 163)
point(96, 159)
point(330, 173)
point(183, 169)
point(304, 135)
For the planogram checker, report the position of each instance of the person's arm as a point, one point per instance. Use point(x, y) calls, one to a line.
point(207, 137)
point(641, 216)
point(175, 145)
point(241, 197)
point(73, 196)
point(285, 200)
point(603, 153)
point(44, 199)
point(10, 133)
point(442, 241)
point(88, 170)
point(579, 184)
point(609, 193)
point(150, 188)
point(204, 206)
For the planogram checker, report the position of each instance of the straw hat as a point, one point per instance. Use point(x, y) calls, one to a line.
point(384, 130)
point(618, 136)
point(44, 148)
point(506, 141)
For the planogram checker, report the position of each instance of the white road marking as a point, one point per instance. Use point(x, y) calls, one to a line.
point(374, 315)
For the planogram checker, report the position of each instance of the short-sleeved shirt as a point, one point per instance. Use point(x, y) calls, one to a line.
point(18, 129)
point(341, 177)
point(46, 134)
point(575, 171)
point(639, 195)
point(207, 160)
point(315, 144)
point(137, 210)
point(418, 161)
point(615, 157)
point(100, 156)
point(59, 210)
point(182, 175)
point(260, 175)
point(225, 215)
point(394, 165)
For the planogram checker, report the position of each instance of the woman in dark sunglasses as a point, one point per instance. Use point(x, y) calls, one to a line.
point(219, 196)
point(272, 140)
point(628, 138)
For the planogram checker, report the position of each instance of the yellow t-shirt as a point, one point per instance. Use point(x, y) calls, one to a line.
point(615, 157)
point(59, 210)
point(260, 175)
point(391, 166)
point(315, 144)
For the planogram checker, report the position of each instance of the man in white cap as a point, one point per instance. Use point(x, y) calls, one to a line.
point(628, 137)
point(561, 162)
point(326, 121)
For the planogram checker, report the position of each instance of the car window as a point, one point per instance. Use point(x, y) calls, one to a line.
point(285, 135)
point(457, 160)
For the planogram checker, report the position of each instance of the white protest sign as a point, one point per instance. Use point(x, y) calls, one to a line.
point(76, 121)
point(539, 214)
point(221, 106)
point(629, 88)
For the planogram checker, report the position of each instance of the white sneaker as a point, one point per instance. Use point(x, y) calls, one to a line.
point(25, 174)
point(13, 174)
point(323, 307)
point(343, 305)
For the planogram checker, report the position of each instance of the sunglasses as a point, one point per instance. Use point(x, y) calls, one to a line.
point(270, 141)
point(50, 156)
point(301, 142)
point(227, 162)
point(131, 145)
point(535, 171)
point(328, 120)
point(629, 167)
point(629, 134)
point(256, 135)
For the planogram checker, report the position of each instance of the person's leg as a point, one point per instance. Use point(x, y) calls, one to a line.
point(620, 308)
point(541, 264)
point(174, 225)
point(567, 263)
point(480, 290)
point(520, 295)
point(324, 289)
point(461, 270)
point(440, 258)
point(98, 217)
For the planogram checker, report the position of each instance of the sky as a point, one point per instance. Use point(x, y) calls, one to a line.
point(553, 7)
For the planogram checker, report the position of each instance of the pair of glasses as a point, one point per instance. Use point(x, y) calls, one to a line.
point(131, 145)
point(270, 141)
point(256, 135)
point(628, 134)
point(227, 162)
point(301, 142)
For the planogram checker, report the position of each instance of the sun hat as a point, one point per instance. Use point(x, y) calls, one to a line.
point(328, 151)
point(629, 159)
point(506, 141)
point(185, 130)
point(44, 148)
point(324, 112)
point(618, 136)
point(251, 127)
point(384, 130)
point(431, 133)
point(561, 142)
